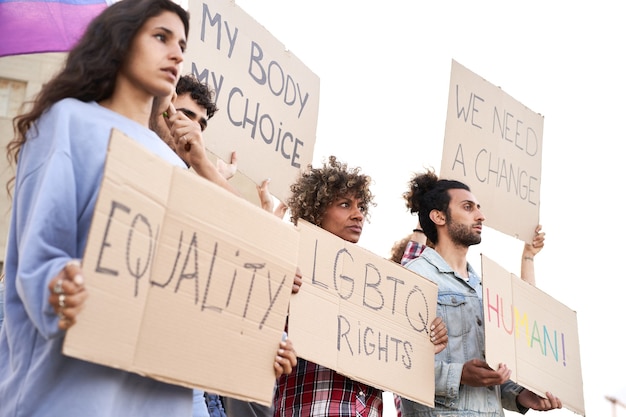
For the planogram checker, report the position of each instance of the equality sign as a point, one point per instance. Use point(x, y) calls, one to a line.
point(363, 316)
point(268, 99)
point(533, 334)
point(188, 283)
point(493, 143)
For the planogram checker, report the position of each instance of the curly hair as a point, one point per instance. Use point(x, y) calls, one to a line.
point(317, 188)
point(427, 193)
point(200, 93)
point(398, 248)
point(91, 67)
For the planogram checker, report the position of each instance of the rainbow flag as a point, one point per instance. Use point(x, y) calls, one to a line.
point(31, 26)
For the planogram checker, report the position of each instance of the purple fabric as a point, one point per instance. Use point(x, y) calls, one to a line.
point(44, 26)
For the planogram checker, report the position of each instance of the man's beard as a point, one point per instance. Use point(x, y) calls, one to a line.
point(463, 235)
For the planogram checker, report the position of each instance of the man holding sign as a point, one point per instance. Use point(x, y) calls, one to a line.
point(336, 199)
point(181, 127)
point(452, 220)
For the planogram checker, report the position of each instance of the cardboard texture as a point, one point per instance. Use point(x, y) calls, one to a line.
point(534, 334)
point(188, 283)
point(268, 99)
point(493, 143)
point(363, 316)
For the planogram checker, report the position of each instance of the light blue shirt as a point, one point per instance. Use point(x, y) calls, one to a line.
point(1, 302)
point(460, 305)
point(57, 181)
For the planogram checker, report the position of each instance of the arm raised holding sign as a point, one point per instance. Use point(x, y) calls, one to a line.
point(528, 256)
point(180, 122)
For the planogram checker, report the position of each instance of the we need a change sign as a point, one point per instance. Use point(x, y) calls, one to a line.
point(493, 143)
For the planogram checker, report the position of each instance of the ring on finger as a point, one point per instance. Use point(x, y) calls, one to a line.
point(73, 262)
point(58, 287)
point(61, 301)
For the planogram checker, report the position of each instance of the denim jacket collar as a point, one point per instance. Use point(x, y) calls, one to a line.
point(434, 258)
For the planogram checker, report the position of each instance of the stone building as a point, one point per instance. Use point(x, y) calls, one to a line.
point(21, 77)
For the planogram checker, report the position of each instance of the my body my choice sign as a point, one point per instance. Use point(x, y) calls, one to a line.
point(268, 99)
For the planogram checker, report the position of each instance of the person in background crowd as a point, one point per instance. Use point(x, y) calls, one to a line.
point(187, 116)
point(409, 247)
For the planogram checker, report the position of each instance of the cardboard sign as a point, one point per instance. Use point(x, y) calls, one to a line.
point(493, 143)
point(187, 283)
point(363, 316)
point(535, 335)
point(268, 99)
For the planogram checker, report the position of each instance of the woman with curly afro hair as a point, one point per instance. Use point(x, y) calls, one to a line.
point(333, 197)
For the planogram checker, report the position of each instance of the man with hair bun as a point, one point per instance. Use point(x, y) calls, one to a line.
point(465, 385)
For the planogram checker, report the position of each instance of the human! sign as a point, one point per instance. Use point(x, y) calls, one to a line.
point(533, 334)
point(268, 99)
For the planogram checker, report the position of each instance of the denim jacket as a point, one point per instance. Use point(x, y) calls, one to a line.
point(460, 305)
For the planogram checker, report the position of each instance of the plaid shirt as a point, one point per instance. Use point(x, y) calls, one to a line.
point(313, 390)
point(412, 251)
point(397, 402)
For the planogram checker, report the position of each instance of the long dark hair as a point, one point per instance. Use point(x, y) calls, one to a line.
point(92, 65)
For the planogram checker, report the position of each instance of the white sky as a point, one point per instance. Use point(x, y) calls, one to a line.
point(385, 70)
